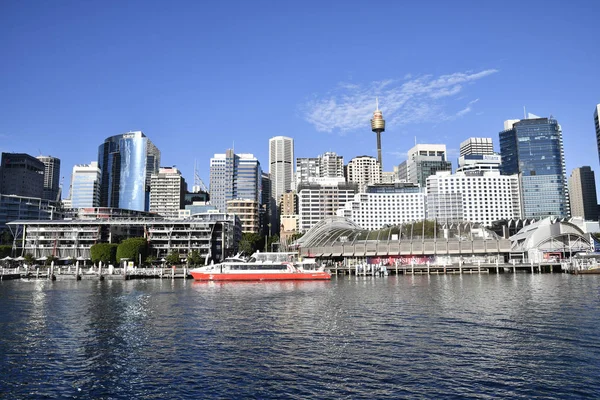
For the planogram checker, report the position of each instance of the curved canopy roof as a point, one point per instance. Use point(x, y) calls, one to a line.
point(550, 234)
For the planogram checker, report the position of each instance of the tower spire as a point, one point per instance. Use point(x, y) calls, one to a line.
point(378, 126)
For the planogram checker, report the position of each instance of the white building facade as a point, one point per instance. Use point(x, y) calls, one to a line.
point(85, 185)
point(167, 192)
point(376, 210)
point(281, 165)
point(364, 170)
point(485, 198)
point(322, 199)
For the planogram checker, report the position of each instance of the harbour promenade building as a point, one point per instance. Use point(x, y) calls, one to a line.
point(212, 234)
point(385, 205)
point(533, 149)
point(127, 162)
point(51, 177)
point(85, 185)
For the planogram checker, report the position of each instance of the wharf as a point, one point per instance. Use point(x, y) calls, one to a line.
point(93, 274)
point(428, 269)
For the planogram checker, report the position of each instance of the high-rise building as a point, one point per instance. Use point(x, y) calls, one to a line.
point(268, 210)
point(51, 177)
point(22, 175)
point(582, 194)
point(85, 186)
point(486, 198)
point(321, 199)
point(326, 165)
point(234, 176)
point(127, 162)
point(423, 161)
point(281, 165)
point(364, 170)
point(167, 192)
point(597, 124)
point(480, 146)
point(378, 126)
point(247, 212)
point(533, 148)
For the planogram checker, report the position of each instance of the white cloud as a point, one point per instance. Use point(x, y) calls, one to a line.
point(412, 100)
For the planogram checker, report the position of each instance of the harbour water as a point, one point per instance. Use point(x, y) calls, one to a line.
point(517, 336)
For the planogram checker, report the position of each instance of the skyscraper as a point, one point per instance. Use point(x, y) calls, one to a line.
point(533, 148)
point(597, 123)
point(167, 192)
point(423, 161)
point(281, 165)
point(51, 177)
point(85, 186)
point(326, 165)
point(127, 162)
point(234, 176)
point(582, 194)
point(364, 170)
point(21, 175)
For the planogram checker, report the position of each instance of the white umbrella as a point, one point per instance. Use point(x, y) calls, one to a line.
point(42, 258)
point(20, 258)
point(7, 258)
point(80, 258)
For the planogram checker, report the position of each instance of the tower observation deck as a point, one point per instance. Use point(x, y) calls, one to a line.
point(378, 126)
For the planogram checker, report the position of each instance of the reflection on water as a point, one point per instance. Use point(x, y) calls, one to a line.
point(448, 336)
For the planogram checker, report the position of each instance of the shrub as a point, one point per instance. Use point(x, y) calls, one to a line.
point(105, 252)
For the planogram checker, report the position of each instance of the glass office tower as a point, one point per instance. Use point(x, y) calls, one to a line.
point(127, 162)
point(533, 148)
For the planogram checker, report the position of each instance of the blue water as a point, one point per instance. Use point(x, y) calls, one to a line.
point(473, 336)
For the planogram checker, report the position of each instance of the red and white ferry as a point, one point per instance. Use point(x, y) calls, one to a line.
point(262, 267)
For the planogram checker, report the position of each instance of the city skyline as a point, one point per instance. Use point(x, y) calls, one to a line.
point(439, 77)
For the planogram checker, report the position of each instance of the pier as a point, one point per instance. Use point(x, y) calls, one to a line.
point(72, 273)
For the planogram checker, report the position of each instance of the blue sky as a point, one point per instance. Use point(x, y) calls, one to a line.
point(199, 77)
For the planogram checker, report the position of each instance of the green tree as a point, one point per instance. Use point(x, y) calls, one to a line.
point(173, 258)
point(250, 243)
point(6, 238)
point(5, 251)
point(105, 252)
point(132, 248)
point(49, 260)
point(29, 259)
point(194, 258)
point(150, 260)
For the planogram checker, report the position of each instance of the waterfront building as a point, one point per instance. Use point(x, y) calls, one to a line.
point(167, 192)
point(480, 146)
point(326, 165)
point(533, 149)
point(51, 177)
point(234, 176)
point(485, 198)
point(85, 185)
point(127, 162)
point(281, 165)
point(597, 125)
point(322, 198)
point(364, 170)
point(582, 194)
point(385, 205)
point(26, 208)
point(213, 235)
point(423, 161)
point(21, 175)
point(247, 211)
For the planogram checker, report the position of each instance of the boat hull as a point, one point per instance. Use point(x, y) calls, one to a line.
point(266, 276)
